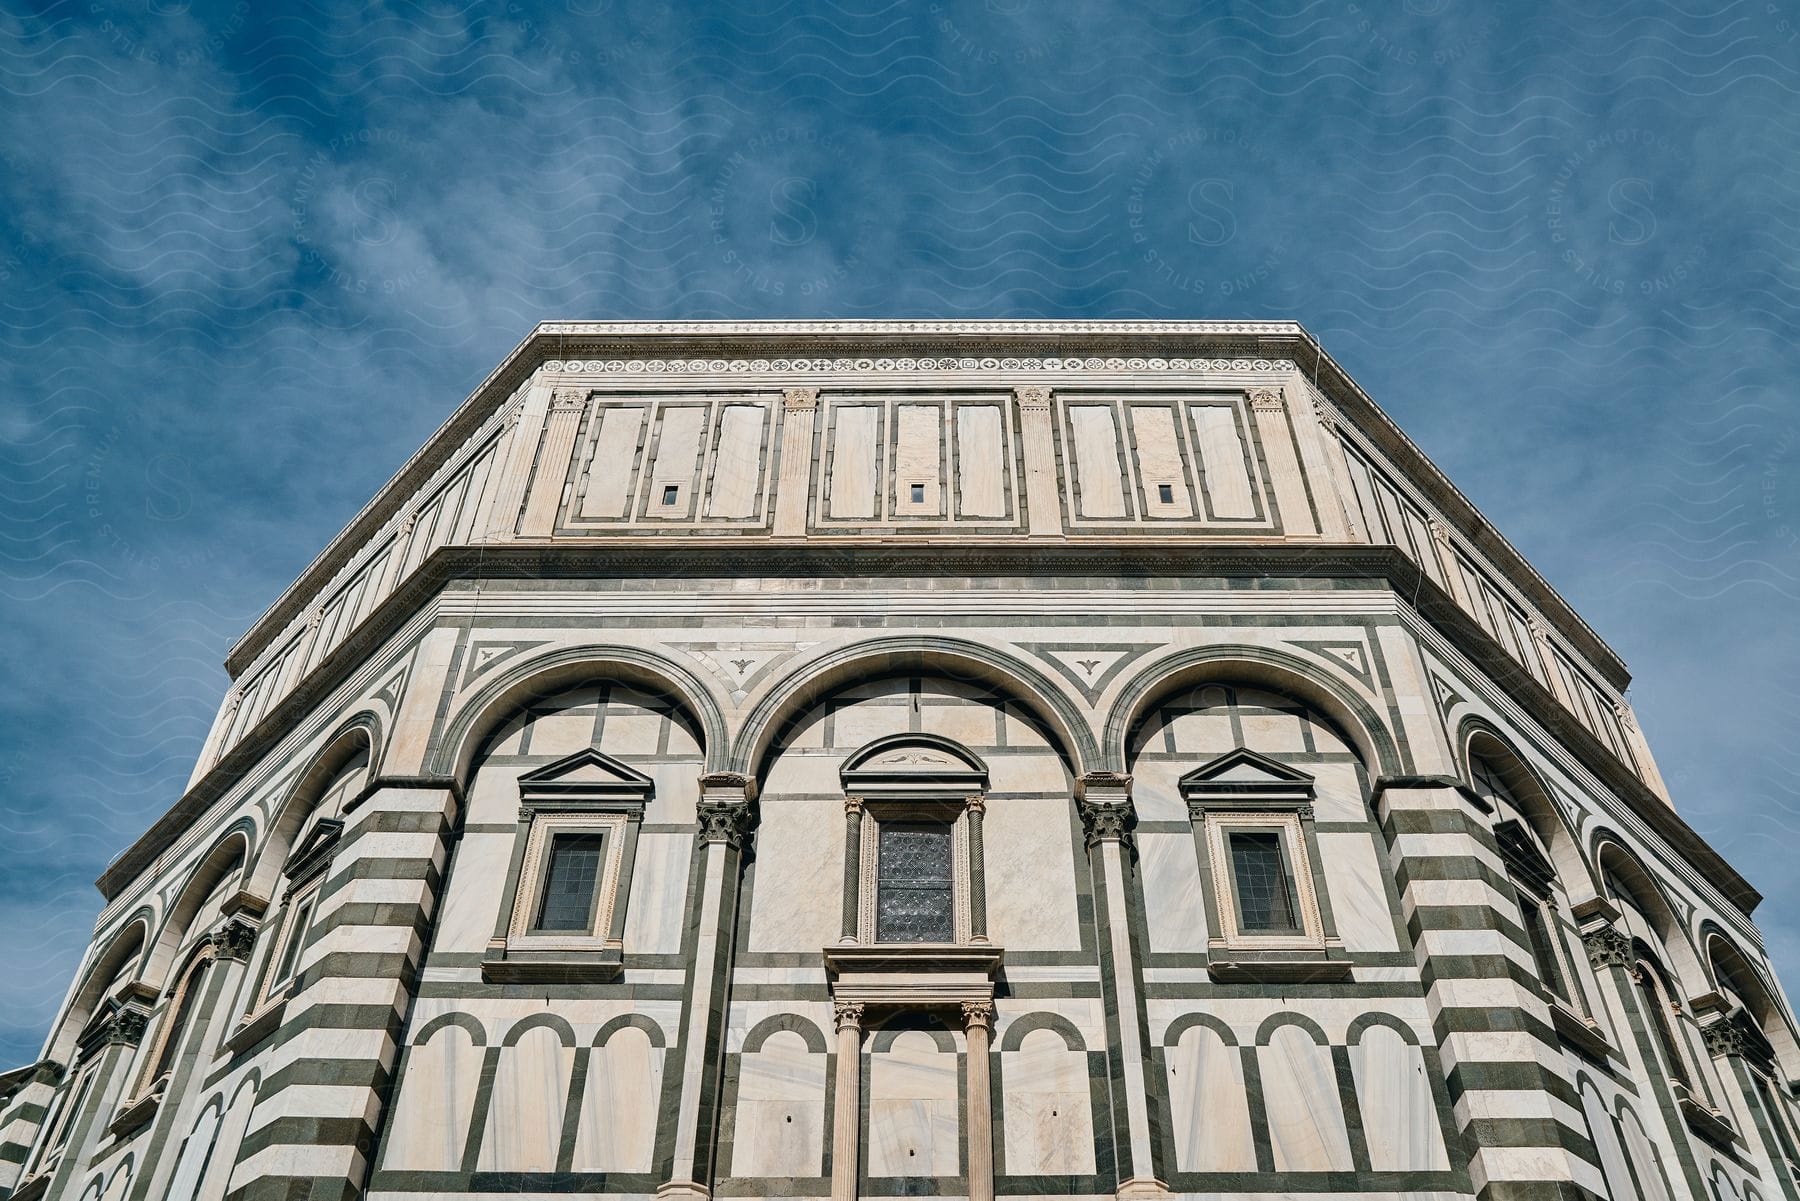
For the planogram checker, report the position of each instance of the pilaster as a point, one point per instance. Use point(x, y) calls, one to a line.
point(1268, 407)
point(552, 473)
point(1043, 499)
point(793, 487)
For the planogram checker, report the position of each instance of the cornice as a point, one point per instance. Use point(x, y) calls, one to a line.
point(1376, 566)
point(630, 349)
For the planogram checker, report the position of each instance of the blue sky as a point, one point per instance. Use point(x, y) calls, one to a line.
point(251, 254)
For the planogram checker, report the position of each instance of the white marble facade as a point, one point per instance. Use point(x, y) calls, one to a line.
point(1113, 608)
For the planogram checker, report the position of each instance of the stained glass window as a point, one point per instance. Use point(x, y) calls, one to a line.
point(914, 900)
point(571, 879)
point(1265, 892)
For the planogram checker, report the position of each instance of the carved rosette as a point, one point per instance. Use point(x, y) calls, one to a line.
point(235, 940)
point(724, 821)
point(799, 399)
point(1267, 400)
point(1033, 396)
point(849, 1014)
point(1105, 821)
point(1607, 947)
point(978, 1013)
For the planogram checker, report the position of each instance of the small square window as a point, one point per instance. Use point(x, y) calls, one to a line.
point(918, 494)
point(1165, 494)
point(671, 493)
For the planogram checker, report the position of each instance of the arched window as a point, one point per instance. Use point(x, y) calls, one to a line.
point(1657, 1012)
point(1532, 872)
point(184, 1001)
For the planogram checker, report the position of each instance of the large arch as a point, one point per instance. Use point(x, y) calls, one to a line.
point(230, 853)
point(122, 951)
point(1612, 854)
point(915, 655)
point(359, 735)
point(453, 753)
point(1476, 737)
point(1365, 729)
point(1732, 969)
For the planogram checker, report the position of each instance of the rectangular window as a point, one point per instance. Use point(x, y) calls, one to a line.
point(298, 925)
point(914, 900)
point(1543, 950)
point(571, 882)
point(1263, 882)
point(1165, 494)
point(918, 494)
point(671, 492)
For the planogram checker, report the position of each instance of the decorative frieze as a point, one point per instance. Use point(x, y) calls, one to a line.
point(779, 366)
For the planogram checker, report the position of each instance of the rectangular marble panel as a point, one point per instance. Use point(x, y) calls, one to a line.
point(1175, 908)
point(780, 1127)
point(918, 430)
point(851, 485)
point(913, 1127)
point(797, 904)
point(1228, 486)
point(737, 462)
point(981, 465)
point(677, 461)
point(1399, 1114)
point(658, 905)
point(1097, 475)
point(1047, 1107)
point(1355, 876)
point(475, 895)
point(1159, 461)
point(1029, 859)
point(614, 461)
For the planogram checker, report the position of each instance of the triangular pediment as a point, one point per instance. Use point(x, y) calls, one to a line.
point(587, 773)
point(315, 848)
point(1244, 770)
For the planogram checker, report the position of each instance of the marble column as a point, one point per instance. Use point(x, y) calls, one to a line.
point(724, 813)
point(1727, 1042)
point(977, 809)
point(978, 1022)
point(846, 1112)
point(853, 814)
point(1104, 799)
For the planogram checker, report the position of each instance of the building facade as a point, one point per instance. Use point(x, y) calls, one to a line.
point(918, 760)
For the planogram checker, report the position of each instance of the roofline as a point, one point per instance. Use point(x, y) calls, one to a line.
point(1274, 339)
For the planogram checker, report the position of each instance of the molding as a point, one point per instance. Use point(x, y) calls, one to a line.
point(1581, 1034)
point(1374, 566)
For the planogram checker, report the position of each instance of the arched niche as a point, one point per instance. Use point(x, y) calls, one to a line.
point(355, 742)
point(117, 962)
point(1736, 976)
point(481, 715)
point(1643, 903)
point(1004, 675)
point(1480, 744)
point(213, 878)
point(1276, 671)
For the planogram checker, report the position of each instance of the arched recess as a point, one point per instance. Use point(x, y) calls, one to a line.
point(1046, 1098)
point(1209, 1103)
point(1355, 717)
point(1303, 1105)
point(954, 658)
point(360, 736)
point(118, 960)
point(453, 754)
point(779, 1127)
point(227, 858)
point(615, 1131)
point(1477, 739)
point(1732, 971)
point(436, 1096)
point(1614, 861)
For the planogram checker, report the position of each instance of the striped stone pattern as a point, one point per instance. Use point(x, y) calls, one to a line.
point(314, 1124)
point(19, 1127)
point(1515, 1106)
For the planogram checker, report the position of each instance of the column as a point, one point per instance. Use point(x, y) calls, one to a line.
point(1503, 1058)
point(1043, 500)
point(976, 807)
point(793, 487)
point(1727, 1041)
point(978, 1023)
point(1647, 770)
point(1104, 799)
point(853, 813)
point(512, 470)
point(545, 498)
point(329, 1071)
point(1268, 407)
point(846, 1111)
point(724, 814)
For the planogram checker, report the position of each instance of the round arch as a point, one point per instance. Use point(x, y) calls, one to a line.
point(900, 656)
point(121, 951)
point(1367, 732)
point(358, 735)
point(231, 852)
point(1731, 968)
point(480, 715)
point(1611, 854)
point(1476, 737)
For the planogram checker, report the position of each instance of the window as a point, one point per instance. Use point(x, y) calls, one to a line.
point(1543, 949)
point(293, 940)
point(1262, 882)
point(917, 493)
point(1777, 1118)
point(578, 822)
point(571, 882)
point(182, 1012)
point(671, 493)
point(1165, 494)
point(61, 1122)
point(1658, 1014)
point(915, 897)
